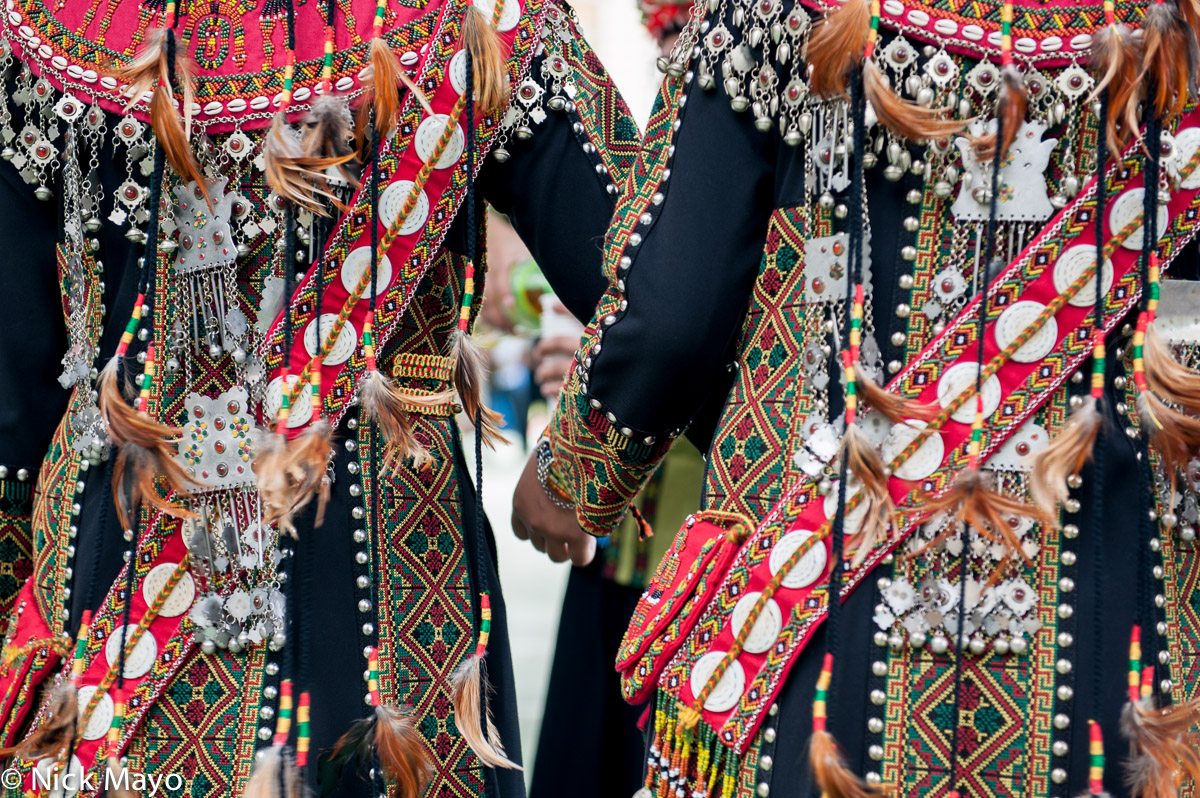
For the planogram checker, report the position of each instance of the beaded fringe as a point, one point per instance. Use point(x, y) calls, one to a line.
point(693, 760)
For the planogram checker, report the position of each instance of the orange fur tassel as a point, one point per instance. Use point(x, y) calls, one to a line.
point(294, 175)
point(54, 734)
point(307, 463)
point(836, 48)
point(265, 778)
point(290, 474)
point(1116, 53)
point(830, 772)
point(487, 61)
point(401, 750)
point(389, 732)
point(972, 501)
point(145, 450)
point(389, 407)
point(1165, 748)
point(383, 88)
point(1190, 11)
point(270, 465)
point(1011, 108)
point(1064, 457)
point(862, 461)
point(904, 117)
point(327, 136)
point(1167, 376)
point(1169, 59)
point(467, 692)
point(468, 382)
point(149, 72)
point(1174, 435)
point(894, 408)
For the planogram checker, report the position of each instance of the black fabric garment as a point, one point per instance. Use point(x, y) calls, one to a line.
point(31, 400)
point(559, 206)
point(692, 275)
point(590, 745)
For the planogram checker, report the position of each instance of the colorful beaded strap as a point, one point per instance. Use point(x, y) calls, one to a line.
point(425, 161)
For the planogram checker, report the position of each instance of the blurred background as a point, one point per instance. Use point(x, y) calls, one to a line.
point(513, 322)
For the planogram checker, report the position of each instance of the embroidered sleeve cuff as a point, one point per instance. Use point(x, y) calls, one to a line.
point(600, 465)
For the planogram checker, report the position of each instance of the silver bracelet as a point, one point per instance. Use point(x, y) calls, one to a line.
point(544, 458)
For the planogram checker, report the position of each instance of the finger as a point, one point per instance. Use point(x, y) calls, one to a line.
point(558, 551)
point(552, 369)
point(551, 388)
point(538, 540)
point(519, 527)
point(584, 551)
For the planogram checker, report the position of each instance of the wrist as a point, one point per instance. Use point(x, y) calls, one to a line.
point(547, 477)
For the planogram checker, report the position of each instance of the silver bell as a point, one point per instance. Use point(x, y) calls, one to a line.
point(43, 193)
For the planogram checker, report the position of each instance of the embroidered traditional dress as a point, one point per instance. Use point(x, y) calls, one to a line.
point(725, 319)
point(397, 566)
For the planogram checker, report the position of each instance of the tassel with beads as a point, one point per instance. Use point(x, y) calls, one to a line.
point(389, 407)
point(862, 460)
point(467, 688)
point(1163, 374)
point(1174, 435)
point(118, 781)
point(383, 86)
point(326, 141)
point(1164, 747)
point(1096, 765)
point(825, 757)
point(325, 132)
point(482, 40)
point(152, 71)
point(1072, 447)
point(1013, 102)
point(308, 456)
point(1116, 55)
point(1066, 455)
point(266, 777)
point(469, 368)
point(295, 169)
point(1167, 376)
point(145, 448)
point(387, 733)
point(275, 482)
point(1170, 56)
